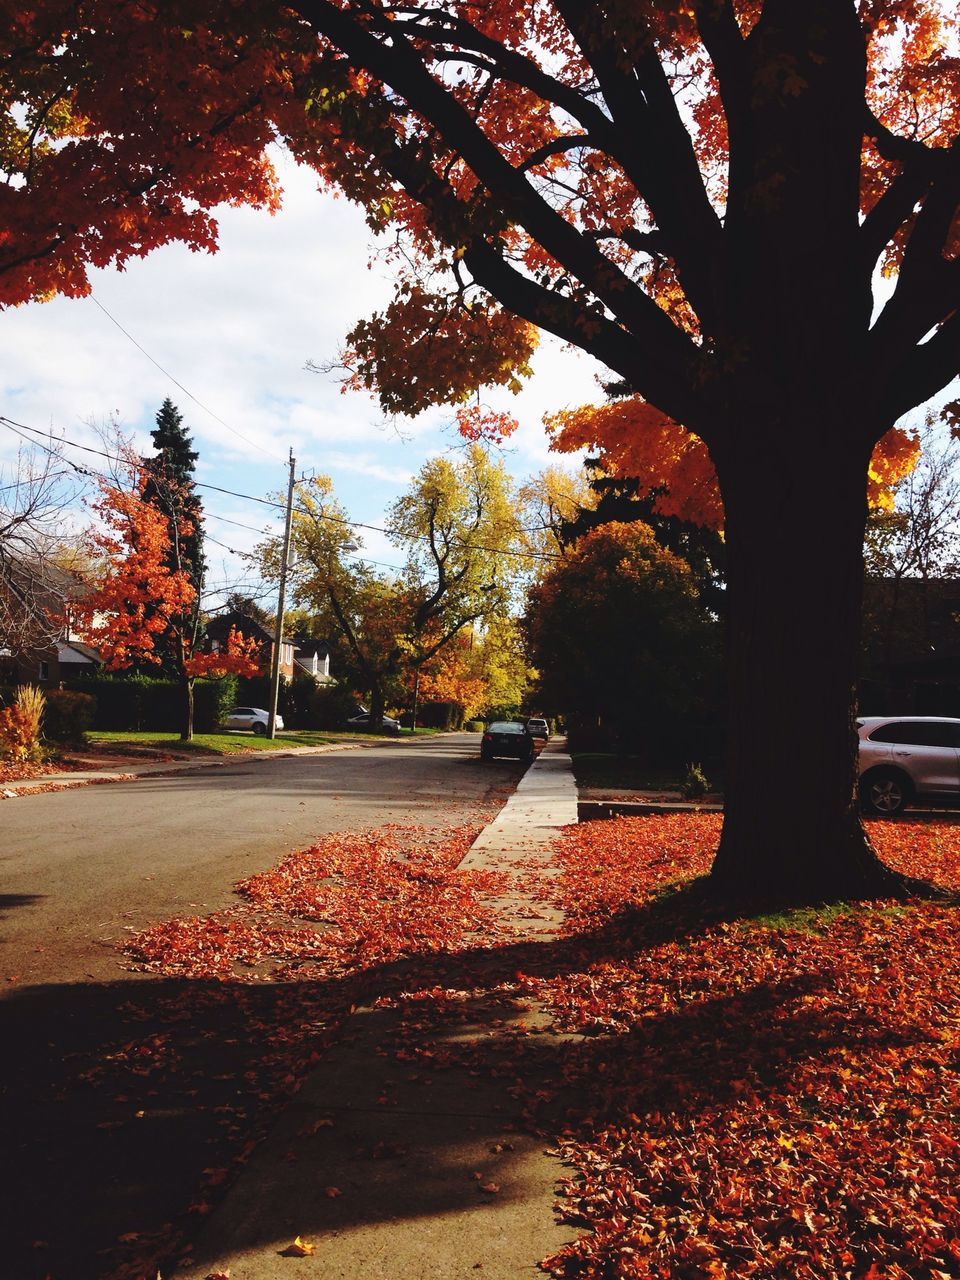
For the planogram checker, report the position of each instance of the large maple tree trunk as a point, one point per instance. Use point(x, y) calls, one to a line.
point(792, 828)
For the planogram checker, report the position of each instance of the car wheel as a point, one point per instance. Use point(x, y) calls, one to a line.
point(885, 792)
point(486, 757)
point(259, 728)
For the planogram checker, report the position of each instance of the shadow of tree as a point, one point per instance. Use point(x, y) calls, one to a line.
point(129, 1106)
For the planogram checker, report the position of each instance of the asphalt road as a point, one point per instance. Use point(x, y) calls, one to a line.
point(78, 867)
point(118, 1089)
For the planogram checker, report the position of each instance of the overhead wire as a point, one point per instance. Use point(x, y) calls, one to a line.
point(167, 374)
point(20, 427)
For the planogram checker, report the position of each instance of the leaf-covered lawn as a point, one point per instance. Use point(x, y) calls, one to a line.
point(757, 1100)
point(732, 1097)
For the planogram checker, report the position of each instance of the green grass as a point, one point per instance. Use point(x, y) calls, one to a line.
point(816, 919)
point(225, 744)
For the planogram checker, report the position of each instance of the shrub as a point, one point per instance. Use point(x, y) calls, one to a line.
point(295, 707)
point(694, 784)
point(212, 699)
point(474, 726)
point(132, 703)
point(20, 725)
point(68, 716)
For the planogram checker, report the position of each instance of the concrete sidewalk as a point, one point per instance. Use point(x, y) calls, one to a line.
point(395, 1170)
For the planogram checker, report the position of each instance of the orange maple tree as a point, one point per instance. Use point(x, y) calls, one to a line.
point(140, 597)
point(451, 677)
point(745, 209)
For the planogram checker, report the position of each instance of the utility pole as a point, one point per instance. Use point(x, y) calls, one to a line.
point(281, 601)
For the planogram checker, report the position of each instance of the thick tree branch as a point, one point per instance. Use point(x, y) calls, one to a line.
point(658, 154)
point(925, 371)
point(923, 169)
point(555, 148)
point(402, 68)
point(678, 389)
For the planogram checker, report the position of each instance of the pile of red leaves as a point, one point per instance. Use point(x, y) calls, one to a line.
point(373, 897)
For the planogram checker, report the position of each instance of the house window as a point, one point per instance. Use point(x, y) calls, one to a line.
point(44, 671)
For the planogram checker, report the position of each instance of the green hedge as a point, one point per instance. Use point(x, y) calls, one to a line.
point(132, 703)
point(331, 705)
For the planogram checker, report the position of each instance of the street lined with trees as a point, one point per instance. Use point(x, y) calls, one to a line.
point(700, 197)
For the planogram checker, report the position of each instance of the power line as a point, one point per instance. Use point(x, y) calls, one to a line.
point(186, 392)
point(19, 427)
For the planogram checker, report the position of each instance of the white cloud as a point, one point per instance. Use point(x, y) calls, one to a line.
point(235, 331)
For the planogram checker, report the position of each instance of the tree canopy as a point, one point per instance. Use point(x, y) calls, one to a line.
point(625, 649)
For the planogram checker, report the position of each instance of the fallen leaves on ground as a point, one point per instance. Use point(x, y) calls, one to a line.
point(756, 1097)
point(372, 897)
point(300, 1249)
point(733, 1097)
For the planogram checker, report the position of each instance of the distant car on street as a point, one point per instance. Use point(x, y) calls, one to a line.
point(364, 721)
point(507, 738)
point(537, 727)
point(907, 759)
point(253, 718)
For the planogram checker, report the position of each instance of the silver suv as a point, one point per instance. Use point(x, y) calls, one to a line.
point(904, 759)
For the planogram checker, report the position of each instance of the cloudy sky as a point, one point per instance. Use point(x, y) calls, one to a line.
point(235, 330)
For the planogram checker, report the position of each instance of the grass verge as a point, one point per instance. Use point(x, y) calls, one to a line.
point(233, 742)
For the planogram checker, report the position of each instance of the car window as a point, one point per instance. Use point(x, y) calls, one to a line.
point(506, 726)
point(241, 711)
point(919, 733)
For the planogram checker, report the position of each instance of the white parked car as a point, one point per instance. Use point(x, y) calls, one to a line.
point(537, 727)
point(254, 718)
point(905, 759)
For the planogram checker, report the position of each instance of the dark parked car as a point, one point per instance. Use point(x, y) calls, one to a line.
point(908, 759)
point(364, 721)
point(507, 738)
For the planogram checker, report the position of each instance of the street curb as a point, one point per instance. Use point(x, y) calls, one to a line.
point(597, 810)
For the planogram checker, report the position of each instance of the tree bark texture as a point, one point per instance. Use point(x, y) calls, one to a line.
point(792, 828)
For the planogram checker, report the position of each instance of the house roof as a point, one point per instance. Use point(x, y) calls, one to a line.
point(86, 651)
point(307, 648)
point(42, 581)
point(219, 627)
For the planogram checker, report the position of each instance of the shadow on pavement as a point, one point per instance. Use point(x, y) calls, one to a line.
point(128, 1108)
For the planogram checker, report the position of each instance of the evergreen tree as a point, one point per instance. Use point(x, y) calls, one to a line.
point(170, 488)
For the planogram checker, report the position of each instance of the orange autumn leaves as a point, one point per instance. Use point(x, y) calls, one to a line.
point(369, 898)
point(759, 1097)
point(737, 1097)
point(139, 598)
point(631, 438)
